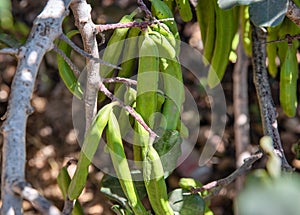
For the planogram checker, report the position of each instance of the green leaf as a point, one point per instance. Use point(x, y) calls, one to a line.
point(63, 181)
point(268, 13)
point(111, 187)
point(88, 150)
point(65, 72)
point(185, 203)
point(168, 147)
point(188, 183)
point(6, 18)
point(258, 177)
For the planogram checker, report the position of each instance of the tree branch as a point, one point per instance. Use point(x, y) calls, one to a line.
point(144, 8)
point(217, 185)
point(134, 24)
point(11, 51)
point(46, 28)
point(120, 80)
point(240, 102)
point(293, 13)
point(83, 21)
point(266, 104)
point(24, 190)
point(240, 108)
point(68, 60)
point(129, 109)
point(85, 54)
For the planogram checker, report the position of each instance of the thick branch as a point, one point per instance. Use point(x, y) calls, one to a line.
point(293, 13)
point(266, 104)
point(46, 28)
point(23, 189)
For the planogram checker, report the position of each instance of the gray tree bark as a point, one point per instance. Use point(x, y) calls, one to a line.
point(46, 28)
point(83, 21)
point(260, 78)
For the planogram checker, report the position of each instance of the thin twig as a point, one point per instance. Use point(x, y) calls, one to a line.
point(120, 80)
point(10, 51)
point(144, 8)
point(219, 184)
point(24, 189)
point(85, 54)
point(68, 60)
point(68, 206)
point(289, 38)
point(129, 109)
point(134, 24)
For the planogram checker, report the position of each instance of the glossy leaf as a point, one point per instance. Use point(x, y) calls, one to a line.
point(88, 150)
point(288, 82)
point(65, 72)
point(63, 181)
point(268, 13)
point(185, 203)
point(168, 147)
point(226, 4)
point(111, 186)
